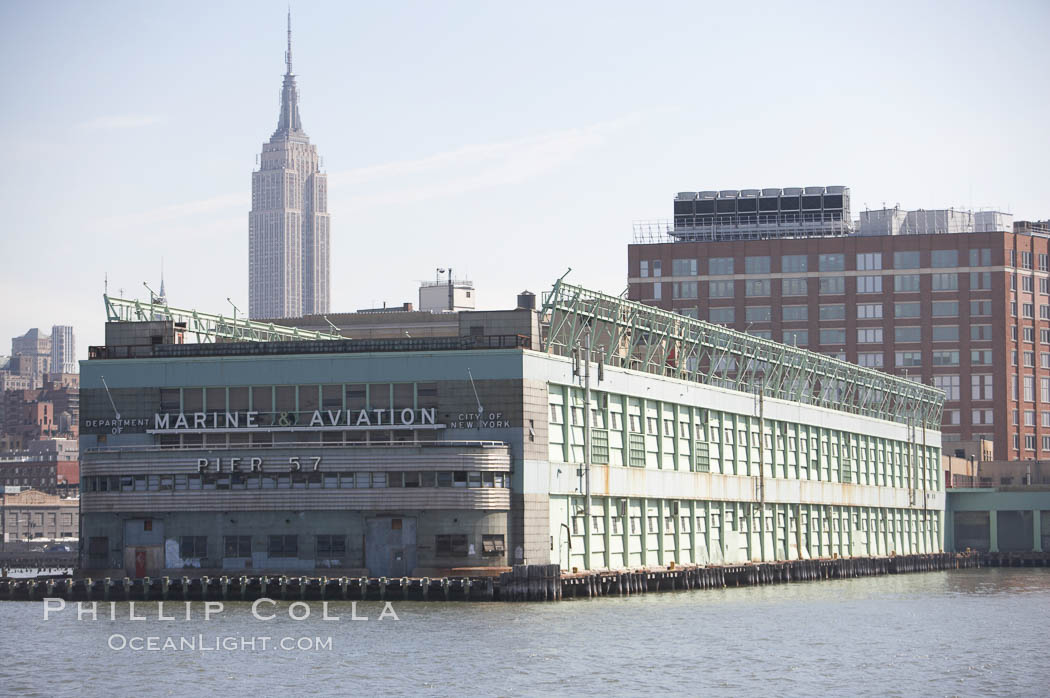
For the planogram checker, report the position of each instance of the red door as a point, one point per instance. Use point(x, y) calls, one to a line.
point(140, 563)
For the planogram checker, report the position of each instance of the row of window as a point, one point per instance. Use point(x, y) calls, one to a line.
point(828, 285)
point(733, 522)
point(1029, 442)
point(326, 546)
point(866, 261)
point(298, 398)
point(301, 481)
point(863, 311)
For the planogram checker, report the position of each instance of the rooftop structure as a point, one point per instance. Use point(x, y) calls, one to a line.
point(753, 214)
point(895, 221)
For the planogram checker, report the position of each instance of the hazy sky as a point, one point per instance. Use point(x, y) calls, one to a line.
point(507, 140)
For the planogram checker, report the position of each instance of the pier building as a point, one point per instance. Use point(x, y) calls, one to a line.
point(595, 432)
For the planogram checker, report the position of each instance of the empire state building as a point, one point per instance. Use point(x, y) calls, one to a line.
point(288, 227)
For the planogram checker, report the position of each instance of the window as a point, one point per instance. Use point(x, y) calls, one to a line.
point(794, 263)
point(1044, 360)
point(719, 266)
point(906, 283)
point(1044, 285)
point(756, 287)
point(657, 291)
point(492, 544)
point(796, 338)
point(237, 546)
point(985, 417)
point(832, 312)
point(870, 359)
point(720, 289)
point(980, 307)
point(906, 260)
point(1028, 334)
point(869, 284)
point(833, 336)
point(452, 545)
point(794, 287)
point(756, 265)
point(1029, 442)
point(981, 357)
point(1044, 312)
point(283, 546)
point(1044, 336)
point(869, 311)
point(1044, 390)
point(331, 546)
point(683, 267)
point(945, 333)
point(945, 358)
point(945, 282)
point(981, 257)
point(1043, 262)
point(944, 258)
point(949, 384)
point(1026, 260)
point(1027, 284)
point(1029, 359)
point(906, 309)
point(980, 280)
point(869, 261)
point(944, 308)
point(644, 269)
point(193, 547)
point(869, 335)
point(657, 269)
point(795, 313)
point(722, 316)
point(757, 313)
point(831, 262)
point(1029, 389)
point(907, 334)
point(1028, 310)
point(831, 285)
point(684, 289)
point(908, 359)
point(981, 387)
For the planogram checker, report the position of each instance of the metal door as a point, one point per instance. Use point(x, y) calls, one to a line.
point(140, 563)
point(390, 546)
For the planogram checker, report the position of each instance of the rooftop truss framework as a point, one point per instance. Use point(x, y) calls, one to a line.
point(628, 334)
point(208, 328)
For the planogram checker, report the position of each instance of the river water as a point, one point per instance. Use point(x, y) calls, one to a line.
point(966, 632)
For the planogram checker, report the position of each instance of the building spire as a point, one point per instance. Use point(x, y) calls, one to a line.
point(288, 124)
point(288, 54)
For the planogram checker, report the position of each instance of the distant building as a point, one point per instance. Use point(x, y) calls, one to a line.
point(954, 299)
point(31, 514)
point(34, 350)
point(63, 350)
point(288, 227)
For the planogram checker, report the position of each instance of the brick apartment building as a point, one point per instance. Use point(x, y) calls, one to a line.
point(967, 311)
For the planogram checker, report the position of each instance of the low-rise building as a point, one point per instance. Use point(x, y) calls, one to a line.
point(594, 433)
point(29, 514)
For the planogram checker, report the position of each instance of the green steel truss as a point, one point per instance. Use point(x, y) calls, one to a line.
point(208, 328)
point(628, 334)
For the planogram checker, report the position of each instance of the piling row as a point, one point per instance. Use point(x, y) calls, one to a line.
point(522, 583)
point(1015, 559)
